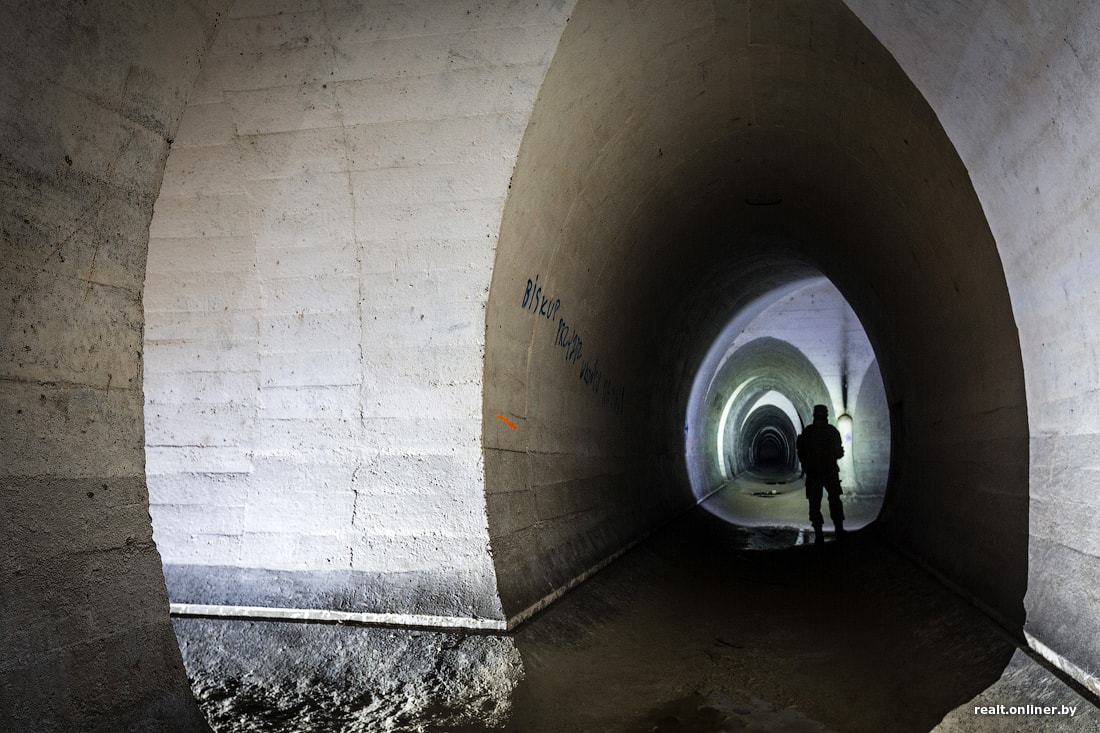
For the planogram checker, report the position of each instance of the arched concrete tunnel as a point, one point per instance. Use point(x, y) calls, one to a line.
point(671, 178)
point(429, 288)
point(770, 440)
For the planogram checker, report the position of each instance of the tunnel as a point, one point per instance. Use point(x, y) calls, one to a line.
point(714, 180)
point(431, 317)
point(772, 444)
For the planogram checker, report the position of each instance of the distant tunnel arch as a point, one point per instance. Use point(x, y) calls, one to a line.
point(768, 440)
point(738, 382)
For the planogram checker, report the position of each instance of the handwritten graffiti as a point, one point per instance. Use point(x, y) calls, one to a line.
point(610, 394)
point(590, 375)
point(536, 303)
point(569, 340)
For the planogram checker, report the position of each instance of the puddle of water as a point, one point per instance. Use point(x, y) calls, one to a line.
point(718, 712)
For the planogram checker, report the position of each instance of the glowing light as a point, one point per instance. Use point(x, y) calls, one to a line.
point(844, 424)
point(721, 443)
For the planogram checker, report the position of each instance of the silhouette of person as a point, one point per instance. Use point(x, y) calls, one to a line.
point(819, 447)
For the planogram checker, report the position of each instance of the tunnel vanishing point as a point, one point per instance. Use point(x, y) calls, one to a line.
point(405, 327)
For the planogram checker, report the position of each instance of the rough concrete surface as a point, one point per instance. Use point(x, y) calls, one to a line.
point(1014, 85)
point(90, 95)
point(682, 162)
point(319, 261)
point(704, 628)
point(1026, 686)
point(278, 676)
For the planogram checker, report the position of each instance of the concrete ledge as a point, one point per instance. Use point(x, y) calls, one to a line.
point(1088, 681)
point(405, 620)
point(439, 599)
point(1026, 697)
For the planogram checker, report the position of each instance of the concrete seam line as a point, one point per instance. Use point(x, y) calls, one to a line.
point(549, 598)
point(712, 492)
point(994, 615)
point(1066, 671)
point(311, 614)
point(1092, 684)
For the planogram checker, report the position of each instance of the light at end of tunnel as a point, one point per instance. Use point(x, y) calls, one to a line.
point(847, 462)
point(844, 425)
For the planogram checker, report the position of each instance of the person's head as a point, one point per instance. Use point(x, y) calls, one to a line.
point(821, 413)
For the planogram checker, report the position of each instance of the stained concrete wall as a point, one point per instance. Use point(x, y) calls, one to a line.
point(90, 95)
point(319, 264)
point(1014, 84)
point(660, 131)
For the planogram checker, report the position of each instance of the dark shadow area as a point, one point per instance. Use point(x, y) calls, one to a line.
point(769, 440)
point(705, 627)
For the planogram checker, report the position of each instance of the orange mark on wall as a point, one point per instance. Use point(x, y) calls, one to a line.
point(506, 421)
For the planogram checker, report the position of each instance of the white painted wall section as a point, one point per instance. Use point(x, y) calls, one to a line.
point(319, 265)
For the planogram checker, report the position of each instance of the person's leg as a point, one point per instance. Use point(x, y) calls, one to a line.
point(836, 506)
point(814, 486)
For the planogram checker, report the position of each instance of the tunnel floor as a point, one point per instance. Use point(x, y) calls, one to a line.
point(704, 627)
point(766, 499)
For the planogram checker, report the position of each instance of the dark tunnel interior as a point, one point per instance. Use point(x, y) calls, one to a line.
point(839, 170)
point(769, 439)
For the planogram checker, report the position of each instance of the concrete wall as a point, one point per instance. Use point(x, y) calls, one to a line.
point(1014, 84)
point(90, 95)
point(817, 321)
point(319, 264)
point(871, 432)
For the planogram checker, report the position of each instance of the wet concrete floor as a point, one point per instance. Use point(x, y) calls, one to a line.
point(778, 499)
point(705, 627)
point(700, 631)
